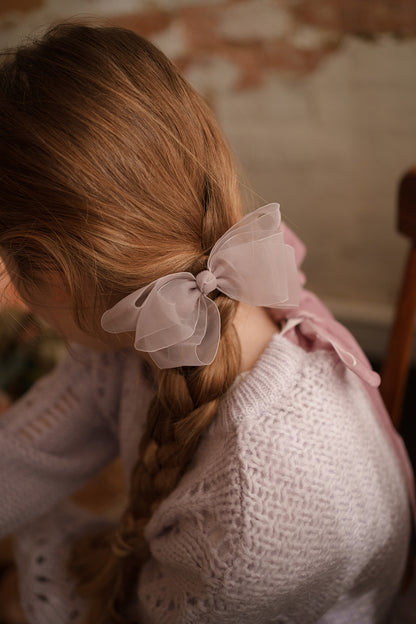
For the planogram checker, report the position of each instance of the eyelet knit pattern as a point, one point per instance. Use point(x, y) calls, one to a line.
point(293, 510)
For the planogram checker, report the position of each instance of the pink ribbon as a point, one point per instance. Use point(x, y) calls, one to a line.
point(178, 324)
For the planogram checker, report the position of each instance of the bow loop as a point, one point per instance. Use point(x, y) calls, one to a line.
point(252, 264)
point(178, 324)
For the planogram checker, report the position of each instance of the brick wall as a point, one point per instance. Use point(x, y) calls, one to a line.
point(317, 98)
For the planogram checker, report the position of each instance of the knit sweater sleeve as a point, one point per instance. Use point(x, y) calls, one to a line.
point(56, 437)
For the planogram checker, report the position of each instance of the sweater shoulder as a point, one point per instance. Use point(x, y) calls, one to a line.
point(286, 371)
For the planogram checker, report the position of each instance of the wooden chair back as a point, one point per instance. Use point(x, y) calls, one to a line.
point(397, 360)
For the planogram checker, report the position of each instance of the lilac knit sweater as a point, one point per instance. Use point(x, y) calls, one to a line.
point(294, 509)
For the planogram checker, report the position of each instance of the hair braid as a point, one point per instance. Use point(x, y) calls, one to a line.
point(184, 407)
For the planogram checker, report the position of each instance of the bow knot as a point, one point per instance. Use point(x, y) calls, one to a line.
point(206, 281)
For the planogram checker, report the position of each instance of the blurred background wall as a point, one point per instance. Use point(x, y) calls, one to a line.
point(318, 101)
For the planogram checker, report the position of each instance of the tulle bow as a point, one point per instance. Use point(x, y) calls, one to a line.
point(174, 319)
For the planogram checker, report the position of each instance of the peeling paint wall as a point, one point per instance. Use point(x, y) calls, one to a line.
point(317, 99)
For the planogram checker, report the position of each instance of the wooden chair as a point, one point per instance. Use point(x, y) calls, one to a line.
point(397, 360)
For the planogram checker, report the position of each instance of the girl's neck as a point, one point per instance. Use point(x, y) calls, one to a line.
point(255, 330)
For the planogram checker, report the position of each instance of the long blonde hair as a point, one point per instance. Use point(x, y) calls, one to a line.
point(113, 173)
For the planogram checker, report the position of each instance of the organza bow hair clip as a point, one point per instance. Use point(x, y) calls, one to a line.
point(173, 318)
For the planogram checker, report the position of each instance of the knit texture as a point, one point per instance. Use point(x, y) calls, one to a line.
point(294, 509)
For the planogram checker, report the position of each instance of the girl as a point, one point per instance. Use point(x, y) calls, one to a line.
point(265, 482)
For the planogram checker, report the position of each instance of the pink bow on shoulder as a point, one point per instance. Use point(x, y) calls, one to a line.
point(312, 325)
